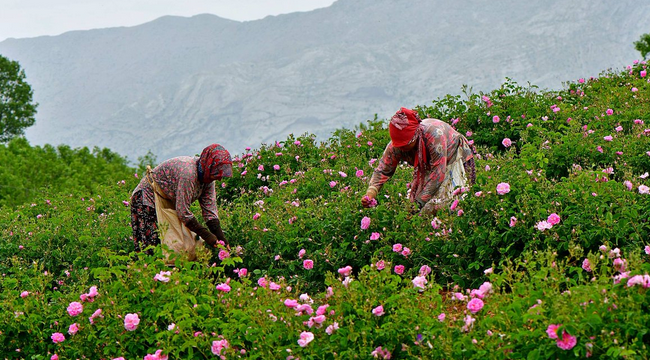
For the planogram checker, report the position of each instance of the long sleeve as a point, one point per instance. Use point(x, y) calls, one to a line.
point(208, 202)
point(184, 192)
point(386, 168)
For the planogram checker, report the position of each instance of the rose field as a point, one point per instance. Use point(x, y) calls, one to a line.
point(546, 256)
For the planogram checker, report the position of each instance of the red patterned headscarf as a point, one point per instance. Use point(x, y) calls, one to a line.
point(215, 160)
point(402, 126)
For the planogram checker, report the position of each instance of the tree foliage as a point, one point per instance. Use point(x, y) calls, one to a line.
point(643, 45)
point(17, 109)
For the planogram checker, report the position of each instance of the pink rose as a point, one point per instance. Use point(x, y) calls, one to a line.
point(397, 247)
point(399, 269)
point(345, 271)
point(73, 329)
point(513, 221)
point(551, 330)
point(218, 346)
point(305, 338)
point(553, 219)
point(374, 236)
point(75, 308)
point(503, 188)
point(419, 282)
point(131, 322)
point(442, 317)
point(276, 167)
point(475, 305)
point(359, 173)
point(609, 112)
point(506, 142)
point(380, 265)
point(365, 222)
point(308, 264)
point(223, 287)
point(24, 294)
point(57, 337)
point(406, 251)
point(242, 272)
point(586, 265)
point(567, 342)
point(495, 119)
point(424, 270)
point(378, 311)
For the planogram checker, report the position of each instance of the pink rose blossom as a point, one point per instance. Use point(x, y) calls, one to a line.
point(305, 338)
point(503, 188)
point(365, 222)
point(406, 251)
point(506, 142)
point(567, 342)
point(75, 308)
point(553, 219)
point(475, 305)
point(609, 112)
point(647, 249)
point(57, 337)
point(333, 183)
point(308, 264)
point(72, 329)
point(262, 282)
point(256, 216)
point(56, 357)
point(442, 317)
point(276, 167)
point(644, 189)
point(397, 247)
point(628, 184)
point(543, 225)
point(380, 265)
point(586, 265)
point(330, 329)
point(242, 272)
point(218, 346)
point(131, 322)
point(551, 330)
point(419, 282)
point(345, 271)
point(260, 168)
point(608, 138)
point(399, 269)
point(374, 236)
point(359, 173)
point(495, 119)
point(380, 353)
point(378, 311)
point(24, 294)
point(158, 355)
point(513, 221)
point(643, 73)
point(424, 270)
point(643, 280)
point(162, 276)
point(223, 287)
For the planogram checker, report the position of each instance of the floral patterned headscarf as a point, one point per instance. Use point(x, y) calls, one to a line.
point(215, 160)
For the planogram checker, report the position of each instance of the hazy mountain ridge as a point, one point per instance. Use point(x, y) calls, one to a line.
point(176, 84)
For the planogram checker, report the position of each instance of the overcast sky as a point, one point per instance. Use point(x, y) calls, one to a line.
point(30, 18)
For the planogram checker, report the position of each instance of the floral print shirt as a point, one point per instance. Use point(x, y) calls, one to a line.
point(442, 145)
point(178, 179)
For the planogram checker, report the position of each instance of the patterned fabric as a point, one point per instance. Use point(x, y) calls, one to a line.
point(438, 145)
point(179, 180)
point(403, 126)
point(215, 160)
point(143, 222)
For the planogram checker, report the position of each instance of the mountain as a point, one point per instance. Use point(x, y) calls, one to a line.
point(175, 85)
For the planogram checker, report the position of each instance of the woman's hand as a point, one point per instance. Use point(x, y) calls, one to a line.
point(369, 200)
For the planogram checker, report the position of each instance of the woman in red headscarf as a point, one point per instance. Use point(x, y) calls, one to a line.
point(442, 158)
point(183, 180)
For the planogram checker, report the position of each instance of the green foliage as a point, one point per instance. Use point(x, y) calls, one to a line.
point(28, 172)
point(643, 45)
point(16, 107)
point(308, 208)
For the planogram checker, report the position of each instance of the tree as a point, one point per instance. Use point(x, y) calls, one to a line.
point(16, 107)
point(643, 45)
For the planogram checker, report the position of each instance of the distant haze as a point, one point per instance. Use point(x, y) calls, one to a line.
point(31, 18)
point(175, 85)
